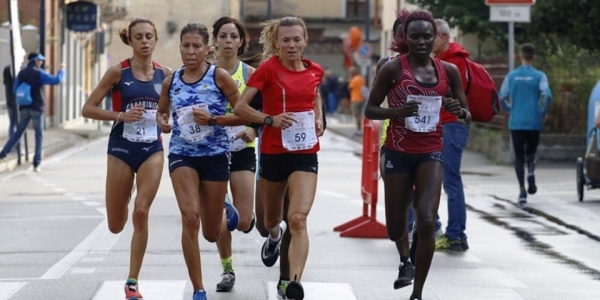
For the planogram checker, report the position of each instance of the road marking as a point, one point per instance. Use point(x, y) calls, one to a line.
point(319, 291)
point(89, 203)
point(151, 289)
point(70, 194)
point(92, 259)
point(48, 184)
point(8, 289)
point(79, 252)
point(60, 190)
point(83, 270)
point(334, 194)
point(78, 198)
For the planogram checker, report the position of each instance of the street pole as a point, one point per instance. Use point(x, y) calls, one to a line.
point(367, 36)
point(511, 46)
point(43, 28)
point(15, 71)
point(269, 9)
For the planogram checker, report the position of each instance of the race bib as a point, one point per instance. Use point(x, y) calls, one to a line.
point(301, 135)
point(143, 131)
point(239, 144)
point(429, 114)
point(189, 130)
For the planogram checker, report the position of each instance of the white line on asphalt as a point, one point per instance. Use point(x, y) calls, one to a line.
point(83, 270)
point(151, 289)
point(48, 184)
point(319, 291)
point(70, 194)
point(60, 190)
point(7, 289)
point(89, 203)
point(51, 218)
point(79, 252)
point(333, 194)
point(78, 198)
point(92, 259)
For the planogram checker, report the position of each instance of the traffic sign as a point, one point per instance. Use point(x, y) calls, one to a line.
point(509, 2)
point(365, 50)
point(510, 13)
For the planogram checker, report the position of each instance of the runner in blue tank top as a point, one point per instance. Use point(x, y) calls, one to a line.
point(197, 95)
point(134, 146)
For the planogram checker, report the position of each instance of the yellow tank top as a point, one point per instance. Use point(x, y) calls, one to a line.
point(240, 75)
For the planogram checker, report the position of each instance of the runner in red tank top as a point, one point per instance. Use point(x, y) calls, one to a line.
point(415, 85)
point(289, 141)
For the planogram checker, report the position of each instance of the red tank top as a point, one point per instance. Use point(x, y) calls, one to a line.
point(399, 137)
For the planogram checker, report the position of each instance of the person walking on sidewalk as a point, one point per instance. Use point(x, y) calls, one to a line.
point(416, 86)
point(36, 77)
point(356, 85)
point(520, 96)
point(11, 105)
point(455, 136)
point(135, 150)
point(231, 40)
point(197, 95)
point(406, 270)
point(289, 141)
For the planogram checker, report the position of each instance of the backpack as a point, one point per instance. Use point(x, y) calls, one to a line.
point(23, 94)
point(481, 93)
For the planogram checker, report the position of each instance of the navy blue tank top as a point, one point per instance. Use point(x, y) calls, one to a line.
point(130, 92)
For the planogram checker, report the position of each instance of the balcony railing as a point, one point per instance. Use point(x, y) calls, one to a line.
point(308, 9)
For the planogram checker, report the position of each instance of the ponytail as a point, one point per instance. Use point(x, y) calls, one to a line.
point(268, 37)
point(124, 35)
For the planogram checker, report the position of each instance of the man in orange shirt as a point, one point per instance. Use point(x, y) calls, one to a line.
point(357, 87)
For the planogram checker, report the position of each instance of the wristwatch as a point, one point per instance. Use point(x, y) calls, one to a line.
point(212, 121)
point(268, 121)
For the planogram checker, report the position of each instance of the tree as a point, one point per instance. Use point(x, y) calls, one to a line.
point(554, 23)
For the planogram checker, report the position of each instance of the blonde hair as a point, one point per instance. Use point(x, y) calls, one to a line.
point(268, 36)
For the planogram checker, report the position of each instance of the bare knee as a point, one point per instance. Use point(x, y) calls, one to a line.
point(116, 226)
point(426, 225)
point(212, 235)
point(140, 217)
point(297, 223)
point(272, 223)
point(191, 222)
point(396, 233)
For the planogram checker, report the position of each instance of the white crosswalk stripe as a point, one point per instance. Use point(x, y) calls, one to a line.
point(319, 291)
point(7, 289)
point(150, 289)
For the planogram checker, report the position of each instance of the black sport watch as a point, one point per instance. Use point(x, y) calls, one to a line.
point(268, 121)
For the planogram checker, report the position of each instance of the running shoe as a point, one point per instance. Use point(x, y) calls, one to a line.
point(522, 198)
point(531, 181)
point(132, 291)
point(37, 169)
point(294, 291)
point(281, 287)
point(441, 243)
point(199, 295)
point(227, 282)
point(464, 245)
point(252, 223)
point(270, 249)
point(233, 217)
point(406, 274)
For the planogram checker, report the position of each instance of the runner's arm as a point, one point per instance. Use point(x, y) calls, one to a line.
point(91, 109)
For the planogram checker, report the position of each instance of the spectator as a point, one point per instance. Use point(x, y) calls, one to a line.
point(355, 86)
point(329, 91)
point(11, 105)
point(36, 77)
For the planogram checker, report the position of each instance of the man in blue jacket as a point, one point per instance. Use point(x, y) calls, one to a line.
point(525, 94)
point(36, 77)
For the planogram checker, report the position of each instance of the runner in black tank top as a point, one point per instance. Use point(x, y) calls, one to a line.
point(135, 145)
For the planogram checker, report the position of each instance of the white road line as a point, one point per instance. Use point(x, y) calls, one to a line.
point(60, 190)
point(78, 198)
point(83, 270)
point(157, 289)
point(8, 289)
point(48, 184)
point(80, 251)
point(319, 291)
point(70, 194)
point(89, 203)
point(92, 259)
point(333, 194)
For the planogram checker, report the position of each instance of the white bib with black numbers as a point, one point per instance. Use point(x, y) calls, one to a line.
point(189, 129)
point(143, 131)
point(429, 113)
point(301, 135)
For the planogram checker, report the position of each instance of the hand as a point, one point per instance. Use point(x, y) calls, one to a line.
point(63, 65)
point(247, 135)
point(163, 123)
point(319, 127)
point(409, 109)
point(201, 117)
point(284, 120)
point(135, 114)
point(452, 106)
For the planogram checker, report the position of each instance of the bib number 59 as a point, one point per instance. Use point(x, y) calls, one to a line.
point(300, 137)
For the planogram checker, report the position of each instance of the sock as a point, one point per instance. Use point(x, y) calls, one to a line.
point(199, 291)
point(131, 280)
point(227, 264)
point(404, 259)
point(275, 240)
point(284, 279)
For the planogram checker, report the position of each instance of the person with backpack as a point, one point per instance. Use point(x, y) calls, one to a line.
point(29, 94)
point(455, 136)
point(520, 96)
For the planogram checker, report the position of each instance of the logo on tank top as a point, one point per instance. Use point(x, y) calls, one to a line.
point(128, 83)
point(158, 87)
point(238, 83)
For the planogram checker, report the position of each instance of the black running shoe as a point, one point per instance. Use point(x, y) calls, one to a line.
point(406, 274)
point(531, 181)
point(251, 224)
point(522, 198)
point(227, 282)
point(294, 291)
point(270, 249)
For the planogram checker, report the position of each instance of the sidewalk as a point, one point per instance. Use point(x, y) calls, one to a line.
point(55, 140)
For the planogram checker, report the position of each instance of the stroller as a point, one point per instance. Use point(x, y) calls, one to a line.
point(588, 167)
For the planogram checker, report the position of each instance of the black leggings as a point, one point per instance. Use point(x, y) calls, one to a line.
point(525, 143)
